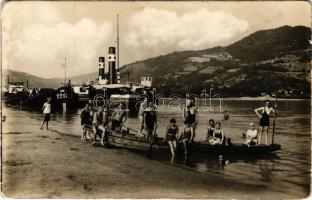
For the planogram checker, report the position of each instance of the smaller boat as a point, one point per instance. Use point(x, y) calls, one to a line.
point(138, 143)
point(65, 94)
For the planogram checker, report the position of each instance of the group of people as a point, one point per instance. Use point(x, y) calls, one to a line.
point(215, 134)
point(99, 120)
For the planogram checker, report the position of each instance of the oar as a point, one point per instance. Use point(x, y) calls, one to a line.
point(275, 107)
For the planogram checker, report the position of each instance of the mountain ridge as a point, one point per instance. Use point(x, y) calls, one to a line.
point(234, 70)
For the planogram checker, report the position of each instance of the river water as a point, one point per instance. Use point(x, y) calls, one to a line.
point(286, 171)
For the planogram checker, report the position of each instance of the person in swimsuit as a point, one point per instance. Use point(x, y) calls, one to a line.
point(86, 121)
point(190, 115)
point(150, 120)
point(264, 120)
point(251, 135)
point(210, 130)
point(186, 136)
point(171, 136)
point(119, 117)
point(46, 108)
point(143, 107)
point(97, 122)
point(218, 135)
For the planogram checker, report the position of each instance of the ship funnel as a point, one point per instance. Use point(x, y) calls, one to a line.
point(102, 78)
point(112, 65)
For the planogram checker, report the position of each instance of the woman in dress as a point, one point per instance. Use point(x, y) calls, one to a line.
point(264, 115)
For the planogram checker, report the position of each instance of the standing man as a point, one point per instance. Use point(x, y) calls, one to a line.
point(46, 108)
point(190, 115)
point(264, 123)
point(150, 121)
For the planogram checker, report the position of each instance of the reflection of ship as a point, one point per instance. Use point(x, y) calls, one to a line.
point(16, 94)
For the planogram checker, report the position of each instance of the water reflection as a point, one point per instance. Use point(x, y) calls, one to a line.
point(266, 170)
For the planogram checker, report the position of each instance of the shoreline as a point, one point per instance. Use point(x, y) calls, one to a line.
point(53, 164)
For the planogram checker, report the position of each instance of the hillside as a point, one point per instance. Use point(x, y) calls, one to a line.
point(263, 62)
point(33, 81)
point(267, 44)
point(38, 82)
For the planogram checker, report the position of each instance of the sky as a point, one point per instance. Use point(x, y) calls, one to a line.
point(38, 35)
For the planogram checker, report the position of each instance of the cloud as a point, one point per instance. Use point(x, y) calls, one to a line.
point(159, 30)
point(41, 46)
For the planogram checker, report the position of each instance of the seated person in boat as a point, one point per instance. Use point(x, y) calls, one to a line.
point(251, 135)
point(210, 130)
point(100, 124)
point(171, 136)
point(86, 121)
point(150, 120)
point(119, 117)
point(218, 135)
point(186, 136)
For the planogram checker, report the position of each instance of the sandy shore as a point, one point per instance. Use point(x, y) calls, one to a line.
point(50, 164)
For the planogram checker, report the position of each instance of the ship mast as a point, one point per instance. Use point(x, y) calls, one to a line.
point(117, 43)
point(118, 72)
point(65, 72)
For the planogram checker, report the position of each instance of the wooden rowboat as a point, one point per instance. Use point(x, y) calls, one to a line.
point(137, 143)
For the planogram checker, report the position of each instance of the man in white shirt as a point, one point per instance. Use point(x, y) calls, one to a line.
point(46, 108)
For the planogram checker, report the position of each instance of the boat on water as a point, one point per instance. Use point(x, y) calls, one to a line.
point(136, 142)
point(16, 94)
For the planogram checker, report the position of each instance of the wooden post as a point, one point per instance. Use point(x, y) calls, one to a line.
point(275, 110)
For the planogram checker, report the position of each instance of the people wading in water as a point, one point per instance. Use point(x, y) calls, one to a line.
point(264, 123)
point(190, 115)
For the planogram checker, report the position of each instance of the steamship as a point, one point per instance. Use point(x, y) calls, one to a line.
point(108, 87)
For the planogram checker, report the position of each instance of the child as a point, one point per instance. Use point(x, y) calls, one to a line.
point(187, 134)
point(251, 135)
point(171, 136)
point(46, 108)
